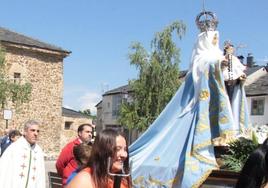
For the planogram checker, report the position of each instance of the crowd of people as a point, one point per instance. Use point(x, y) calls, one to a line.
point(81, 163)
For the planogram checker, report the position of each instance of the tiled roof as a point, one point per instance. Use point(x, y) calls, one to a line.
point(251, 70)
point(98, 104)
point(16, 38)
point(121, 89)
point(259, 87)
point(183, 73)
point(72, 113)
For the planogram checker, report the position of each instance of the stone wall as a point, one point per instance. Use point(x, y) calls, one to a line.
point(44, 70)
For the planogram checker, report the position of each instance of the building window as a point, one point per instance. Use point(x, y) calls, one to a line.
point(108, 105)
point(257, 106)
point(117, 100)
point(67, 125)
point(17, 77)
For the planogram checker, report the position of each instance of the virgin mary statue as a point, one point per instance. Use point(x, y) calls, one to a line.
point(177, 150)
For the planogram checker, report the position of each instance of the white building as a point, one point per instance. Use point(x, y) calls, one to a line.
point(257, 96)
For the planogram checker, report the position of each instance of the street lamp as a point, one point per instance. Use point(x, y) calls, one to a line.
point(7, 116)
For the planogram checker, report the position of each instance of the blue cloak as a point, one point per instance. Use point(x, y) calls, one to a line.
point(177, 149)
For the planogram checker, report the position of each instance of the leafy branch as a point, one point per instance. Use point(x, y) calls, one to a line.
point(157, 81)
point(12, 91)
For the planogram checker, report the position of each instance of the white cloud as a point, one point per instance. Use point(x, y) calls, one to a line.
point(67, 106)
point(79, 97)
point(88, 101)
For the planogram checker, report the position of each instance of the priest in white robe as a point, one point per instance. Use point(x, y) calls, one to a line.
point(22, 165)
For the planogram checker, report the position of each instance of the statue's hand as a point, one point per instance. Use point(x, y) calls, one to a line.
point(243, 77)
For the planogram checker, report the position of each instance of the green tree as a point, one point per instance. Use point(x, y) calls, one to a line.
point(9, 90)
point(87, 112)
point(157, 81)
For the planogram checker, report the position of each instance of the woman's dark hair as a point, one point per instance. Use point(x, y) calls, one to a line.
point(104, 147)
point(255, 170)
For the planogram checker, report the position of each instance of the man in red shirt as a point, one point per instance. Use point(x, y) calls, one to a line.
point(66, 163)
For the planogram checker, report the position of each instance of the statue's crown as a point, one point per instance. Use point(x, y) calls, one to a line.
point(227, 43)
point(208, 23)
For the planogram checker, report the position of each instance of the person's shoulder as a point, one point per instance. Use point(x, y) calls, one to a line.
point(84, 176)
point(81, 180)
point(72, 142)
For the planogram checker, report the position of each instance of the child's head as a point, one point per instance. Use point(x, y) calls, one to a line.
point(82, 153)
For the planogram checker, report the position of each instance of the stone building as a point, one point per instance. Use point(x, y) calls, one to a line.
point(40, 64)
point(108, 111)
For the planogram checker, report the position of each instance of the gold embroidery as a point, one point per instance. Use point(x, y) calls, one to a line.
point(201, 127)
point(206, 74)
point(196, 154)
point(155, 181)
point(204, 159)
point(141, 181)
point(192, 165)
point(204, 94)
point(202, 145)
point(203, 178)
point(203, 116)
point(242, 115)
point(138, 180)
point(224, 120)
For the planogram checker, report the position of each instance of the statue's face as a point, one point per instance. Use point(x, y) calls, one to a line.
point(229, 49)
point(215, 40)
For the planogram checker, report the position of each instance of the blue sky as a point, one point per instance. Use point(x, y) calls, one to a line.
point(99, 33)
